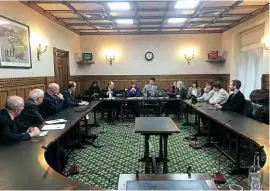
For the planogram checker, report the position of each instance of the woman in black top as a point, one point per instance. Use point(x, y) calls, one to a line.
point(94, 90)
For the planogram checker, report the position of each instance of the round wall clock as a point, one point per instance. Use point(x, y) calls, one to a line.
point(149, 56)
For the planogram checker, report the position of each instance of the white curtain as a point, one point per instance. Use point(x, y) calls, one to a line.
point(250, 69)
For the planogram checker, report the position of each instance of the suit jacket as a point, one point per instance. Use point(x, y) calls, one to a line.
point(29, 117)
point(197, 94)
point(151, 89)
point(236, 102)
point(50, 106)
point(206, 96)
point(219, 97)
point(137, 93)
point(69, 99)
point(8, 129)
point(104, 92)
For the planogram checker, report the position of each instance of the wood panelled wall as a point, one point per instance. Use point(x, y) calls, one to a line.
point(21, 86)
point(163, 81)
point(265, 81)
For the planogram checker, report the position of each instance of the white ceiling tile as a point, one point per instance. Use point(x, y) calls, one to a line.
point(212, 3)
point(203, 19)
point(180, 12)
point(87, 6)
point(53, 6)
point(122, 14)
point(65, 15)
point(73, 21)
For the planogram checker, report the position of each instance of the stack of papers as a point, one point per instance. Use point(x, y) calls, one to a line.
point(56, 121)
point(53, 127)
point(43, 133)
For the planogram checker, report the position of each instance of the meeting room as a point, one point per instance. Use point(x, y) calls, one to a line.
point(134, 95)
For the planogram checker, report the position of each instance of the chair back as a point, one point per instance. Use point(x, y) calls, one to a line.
point(257, 112)
point(247, 110)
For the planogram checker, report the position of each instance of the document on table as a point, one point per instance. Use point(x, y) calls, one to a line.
point(53, 127)
point(56, 121)
point(43, 133)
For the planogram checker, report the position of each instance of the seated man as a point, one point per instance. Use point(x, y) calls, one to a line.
point(134, 91)
point(30, 116)
point(53, 101)
point(67, 94)
point(150, 90)
point(208, 91)
point(220, 96)
point(8, 129)
point(108, 92)
point(236, 101)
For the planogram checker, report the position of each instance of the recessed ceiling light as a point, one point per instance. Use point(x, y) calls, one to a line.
point(124, 21)
point(186, 4)
point(176, 20)
point(3, 22)
point(119, 6)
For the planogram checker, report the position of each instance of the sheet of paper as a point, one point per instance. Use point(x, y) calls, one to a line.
point(53, 127)
point(43, 133)
point(56, 121)
point(87, 116)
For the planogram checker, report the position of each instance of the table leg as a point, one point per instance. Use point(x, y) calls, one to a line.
point(237, 161)
point(160, 158)
point(94, 124)
point(165, 161)
point(146, 154)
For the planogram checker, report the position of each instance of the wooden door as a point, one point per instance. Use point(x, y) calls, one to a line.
point(61, 67)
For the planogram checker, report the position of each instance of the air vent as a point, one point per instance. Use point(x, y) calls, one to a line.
point(94, 15)
point(197, 25)
point(210, 13)
point(105, 27)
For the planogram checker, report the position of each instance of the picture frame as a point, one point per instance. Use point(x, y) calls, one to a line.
point(15, 48)
point(213, 55)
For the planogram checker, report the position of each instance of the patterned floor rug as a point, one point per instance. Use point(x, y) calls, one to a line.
point(122, 148)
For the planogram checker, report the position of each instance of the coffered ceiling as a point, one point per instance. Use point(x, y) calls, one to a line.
point(148, 17)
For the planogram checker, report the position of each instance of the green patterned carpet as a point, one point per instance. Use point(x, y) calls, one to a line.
point(122, 148)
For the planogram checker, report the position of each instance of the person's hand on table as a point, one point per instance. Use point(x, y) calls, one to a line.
point(60, 96)
point(217, 106)
point(34, 132)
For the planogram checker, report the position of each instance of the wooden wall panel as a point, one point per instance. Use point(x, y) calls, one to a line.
point(265, 81)
point(21, 86)
point(163, 81)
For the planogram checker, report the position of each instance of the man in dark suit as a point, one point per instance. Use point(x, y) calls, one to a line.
point(236, 100)
point(8, 129)
point(110, 92)
point(30, 116)
point(53, 101)
point(69, 99)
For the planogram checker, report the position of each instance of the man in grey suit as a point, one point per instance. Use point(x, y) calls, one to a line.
point(150, 90)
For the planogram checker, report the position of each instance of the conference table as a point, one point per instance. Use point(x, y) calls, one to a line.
point(24, 165)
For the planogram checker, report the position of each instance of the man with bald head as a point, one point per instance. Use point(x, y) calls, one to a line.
point(30, 116)
point(110, 92)
point(8, 129)
point(53, 101)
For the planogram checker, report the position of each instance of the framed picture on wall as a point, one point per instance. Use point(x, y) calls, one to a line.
point(213, 55)
point(15, 50)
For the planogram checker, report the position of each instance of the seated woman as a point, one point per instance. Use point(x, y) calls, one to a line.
point(172, 89)
point(194, 90)
point(94, 90)
point(134, 91)
point(180, 92)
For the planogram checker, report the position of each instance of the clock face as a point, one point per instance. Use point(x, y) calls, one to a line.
point(149, 56)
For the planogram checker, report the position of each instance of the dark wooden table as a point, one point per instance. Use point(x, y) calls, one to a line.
point(198, 179)
point(162, 126)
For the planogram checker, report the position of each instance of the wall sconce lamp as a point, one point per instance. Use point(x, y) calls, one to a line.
point(110, 58)
point(266, 42)
point(40, 51)
point(189, 57)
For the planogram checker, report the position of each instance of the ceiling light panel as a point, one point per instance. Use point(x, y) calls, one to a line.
point(176, 20)
point(124, 21)
point(186, 4)
point(119, 6)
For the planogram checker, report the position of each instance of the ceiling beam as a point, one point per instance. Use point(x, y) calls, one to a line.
point(74, 11)
point(153, 32)
point(136, 16)
point(195, 14)
point(164, 18)
point(220, 15)
point(48, 15)
point(247, 17)
point(106, 11)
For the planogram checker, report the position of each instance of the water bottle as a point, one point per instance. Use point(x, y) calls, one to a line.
point(255, 174)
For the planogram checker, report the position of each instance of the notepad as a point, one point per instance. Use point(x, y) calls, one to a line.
point(56, 121)
point(43, 133)
point(53, 127)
